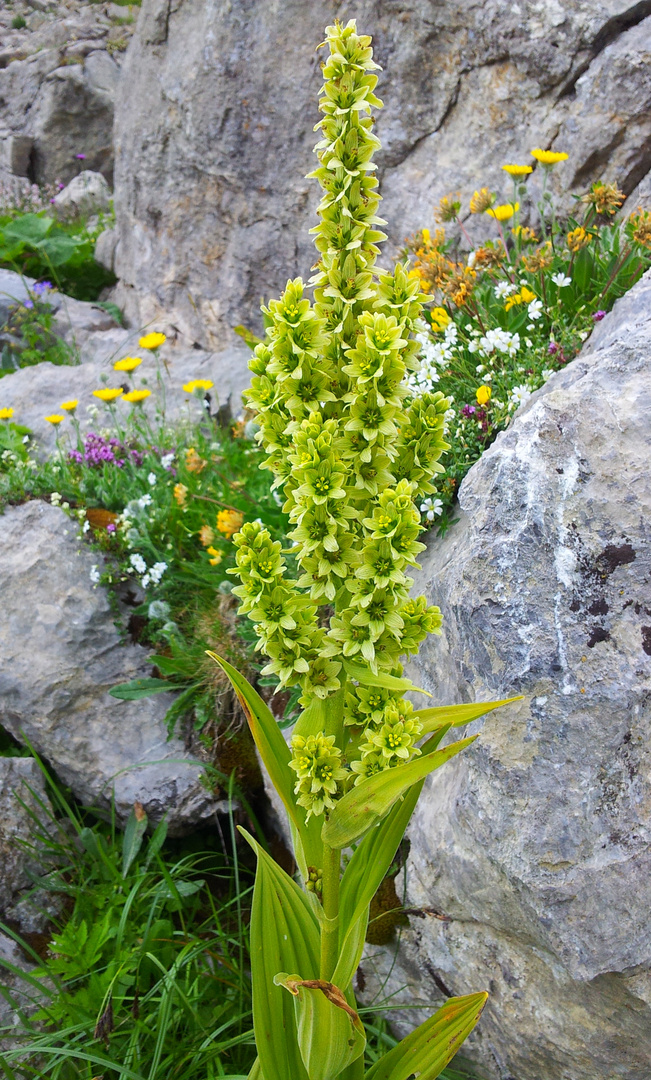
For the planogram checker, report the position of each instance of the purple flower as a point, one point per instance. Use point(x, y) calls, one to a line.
point(80, 157)
point(110, 528)
point(76, 456)
point(28, 304)
point(468, 410)
point(598, 315)
point(42, 287)
point(552, 348)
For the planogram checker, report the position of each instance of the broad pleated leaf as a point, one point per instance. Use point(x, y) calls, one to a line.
point(362, 878)
point(330, 1033)
point(456, 715)
point(364, 806)
point(284, 937)
point(429, 1048)
point(276, 756)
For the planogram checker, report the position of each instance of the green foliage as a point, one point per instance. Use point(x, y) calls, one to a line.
point(18, 22)
point(515, 310)
point(38, 246)
point(143, 977)
point(351, 449)
point(34, 341)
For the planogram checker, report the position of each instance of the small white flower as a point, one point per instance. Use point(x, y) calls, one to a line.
point(138, 563)
point(94, 574)
point(145, 581)
point(519, 394)
point(562, 280)
point(528, 342)
point(431, 508)
point(487, 376)
point(25, 438)
point(151, 479)
point(545, 373)
point(472, 257)
point(144, 501)
point(504, 288)
point(55, 498)
point(167, 460)
point(535, 309)
point(157, 571)
point(86, 526)
point(583, 335)
point(479, 368)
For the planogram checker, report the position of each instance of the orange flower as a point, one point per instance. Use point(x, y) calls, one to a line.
point(180, 493)
point(206, 535)
point(229, 522)
point(193, 462)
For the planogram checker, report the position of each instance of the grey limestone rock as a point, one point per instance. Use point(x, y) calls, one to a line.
point(83, 196)
point(61, 653)
point(216, 109)
point(24, 824)
point(530, 857)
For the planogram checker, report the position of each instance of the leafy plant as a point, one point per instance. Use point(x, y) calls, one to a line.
point(32, 339)
point(351, 451)
point(37, 246)
point(144, 976)
point(518, 306)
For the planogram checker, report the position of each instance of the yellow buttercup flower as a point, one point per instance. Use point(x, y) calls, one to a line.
point(527, 295)
point(135, 396)
point(440, 318)
point(6, 414)
point(197, 384)
point(483, 395)
point(549, 157)
point(578, 238)
point(108, 393)
point(127, 363)
point(152, 341)
point(229, 522)
point(69, 406)
point(517, 170)
point(54, 419)
point(504, 211)
point(216, 556)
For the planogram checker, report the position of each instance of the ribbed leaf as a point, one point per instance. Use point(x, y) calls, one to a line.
point(366, 677)
point(330, 1033)
point(284, 936)
point(456, 715)
point(362, 877)
point(429, 1048)
point(364, 806)
point(276, 756)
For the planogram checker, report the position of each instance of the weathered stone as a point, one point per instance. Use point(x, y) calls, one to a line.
point(105, 249)
point(16, 151)
point(530, 857)
point(61, 653)
point(24, 809)
point(212, 208)
point(84, 195)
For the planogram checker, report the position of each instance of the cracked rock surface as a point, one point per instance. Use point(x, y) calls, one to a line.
point(215, 115)
point(530, 858)
point(61, 654)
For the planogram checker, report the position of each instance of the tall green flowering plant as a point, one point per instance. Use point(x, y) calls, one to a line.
point(352, 453)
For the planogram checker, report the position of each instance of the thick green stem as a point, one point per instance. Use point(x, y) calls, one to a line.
point(330, 898)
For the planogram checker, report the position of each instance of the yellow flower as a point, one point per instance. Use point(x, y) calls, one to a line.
point(527, 295)
point(503, 212)
point(517, 170)
point(606, 198)
point(69, 406)
point(54, 419)
point(216, 556)
point(483, 395)
point(152, 341)
point(6, 414)
point(193, 462)
point(526, 234)
point(448, 208)
point(481, 200)
point(426, 235)
point(549, 157)
point(206, 535)
point(180, 493)
point(134, 396)
point(108, 393)
point(578, 239)
point(197, 384)
point(639, 224)
point(229, 522)
point(127, 363)
point(440, 318)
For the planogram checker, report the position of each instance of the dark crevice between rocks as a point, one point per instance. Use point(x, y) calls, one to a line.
point(610, 31)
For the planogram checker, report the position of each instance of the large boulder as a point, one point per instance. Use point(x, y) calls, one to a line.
point(530, 862)
point(61, 654)
point(216, 109)
point(86, 194)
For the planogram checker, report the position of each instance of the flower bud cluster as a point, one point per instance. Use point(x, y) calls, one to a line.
point(349, 447)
